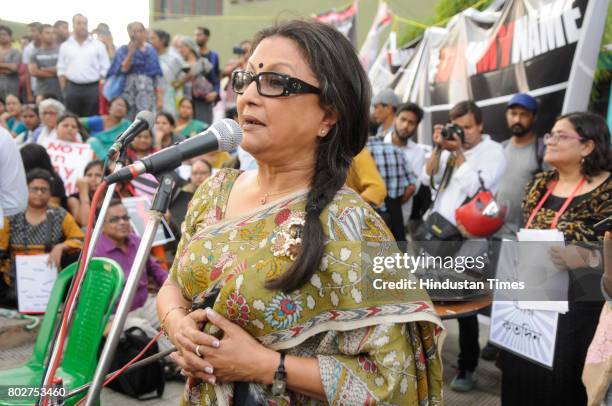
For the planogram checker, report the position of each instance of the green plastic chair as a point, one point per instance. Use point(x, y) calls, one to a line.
point(101, 289)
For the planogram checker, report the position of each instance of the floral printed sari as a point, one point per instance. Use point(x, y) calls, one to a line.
point(372, 349)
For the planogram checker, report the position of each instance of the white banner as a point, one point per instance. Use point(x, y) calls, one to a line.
point(369, 49)
point(69, 160)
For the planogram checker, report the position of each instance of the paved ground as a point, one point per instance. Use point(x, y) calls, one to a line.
point(486, 392)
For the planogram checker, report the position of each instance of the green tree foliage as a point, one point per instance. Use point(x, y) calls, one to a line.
point(443, 11)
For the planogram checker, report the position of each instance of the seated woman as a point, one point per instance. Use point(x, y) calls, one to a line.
point(165, 134)
point(276, 253)
point(41, 229)
point(79, 203)
point(11, 119)
point(104, 130)
point(141, 146)
point(31, 121)
point(69, 128)
point(50, 111)
point(36, 156)
point(186, 125)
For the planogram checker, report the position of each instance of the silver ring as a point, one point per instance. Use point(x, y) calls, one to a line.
point(198, 351)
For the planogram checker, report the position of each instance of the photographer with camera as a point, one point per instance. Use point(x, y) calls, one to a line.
point(463, 160)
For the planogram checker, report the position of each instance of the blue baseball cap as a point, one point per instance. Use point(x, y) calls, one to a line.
point(525, 101)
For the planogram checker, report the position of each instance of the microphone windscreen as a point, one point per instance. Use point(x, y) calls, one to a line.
point(147, 117)
point(228, 132)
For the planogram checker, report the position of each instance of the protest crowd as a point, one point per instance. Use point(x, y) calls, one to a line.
point(66, 96)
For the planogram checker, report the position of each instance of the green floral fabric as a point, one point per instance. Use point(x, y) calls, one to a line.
point(371, 348)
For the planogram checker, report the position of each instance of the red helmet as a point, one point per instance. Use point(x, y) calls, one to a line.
point(482, 216)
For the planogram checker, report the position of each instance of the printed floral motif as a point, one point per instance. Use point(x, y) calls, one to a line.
point(288, 239)
point(367, 364)
point(237, 309)
point(224, 261)
point(273, 267)
point(212, 216)
point(283, 312)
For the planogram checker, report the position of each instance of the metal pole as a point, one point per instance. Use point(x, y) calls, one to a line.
point(158, 208)
point(95, 236)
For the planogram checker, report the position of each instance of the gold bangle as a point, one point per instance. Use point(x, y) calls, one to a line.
point(162, 324)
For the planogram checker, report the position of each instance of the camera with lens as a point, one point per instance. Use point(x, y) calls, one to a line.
point(450, 130)
point(238, 51)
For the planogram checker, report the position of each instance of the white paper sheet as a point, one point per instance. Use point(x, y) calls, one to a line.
point(531, 334)
point(35, 279)
point(537, 269)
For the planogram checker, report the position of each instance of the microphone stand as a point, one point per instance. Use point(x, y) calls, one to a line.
point(97, 231)
point(159, 206)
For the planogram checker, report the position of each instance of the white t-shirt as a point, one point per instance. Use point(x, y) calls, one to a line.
point(487, 157)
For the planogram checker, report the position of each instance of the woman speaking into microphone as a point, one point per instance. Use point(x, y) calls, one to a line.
point(276, 251)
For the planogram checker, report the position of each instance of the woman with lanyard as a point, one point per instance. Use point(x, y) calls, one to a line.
point(570, 199)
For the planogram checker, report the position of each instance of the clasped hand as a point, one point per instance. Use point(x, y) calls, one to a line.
point(235, 357)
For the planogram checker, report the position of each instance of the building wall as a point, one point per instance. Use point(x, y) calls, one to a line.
point(242, 19)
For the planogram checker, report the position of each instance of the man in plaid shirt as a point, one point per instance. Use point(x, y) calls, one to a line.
point(400, 182)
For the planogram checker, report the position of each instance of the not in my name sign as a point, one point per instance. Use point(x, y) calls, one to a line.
point(69, 160)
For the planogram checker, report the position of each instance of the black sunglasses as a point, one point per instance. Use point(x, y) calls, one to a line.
point(270, 84)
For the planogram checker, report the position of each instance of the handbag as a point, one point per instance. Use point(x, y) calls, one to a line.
point(149, 379)
point(438, 236)
point(201, 87)
point(113, 86)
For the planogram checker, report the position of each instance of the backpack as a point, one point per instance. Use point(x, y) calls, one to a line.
point(143, 380)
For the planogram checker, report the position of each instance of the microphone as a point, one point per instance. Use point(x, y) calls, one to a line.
point(143, 121)
point(224, 135)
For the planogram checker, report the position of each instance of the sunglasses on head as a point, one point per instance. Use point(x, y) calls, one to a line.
point(270, 84)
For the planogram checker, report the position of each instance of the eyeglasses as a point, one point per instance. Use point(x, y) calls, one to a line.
point(49, 113)
point(116, 219)
point(35, 189)
point(270, 84)
point(556, 136)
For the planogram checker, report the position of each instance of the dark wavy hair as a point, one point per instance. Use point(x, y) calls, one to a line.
point(39, 173)
point(592, 127)
point(168, 117)
point(93, 164)
point(345, 90)
point(35, 156)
